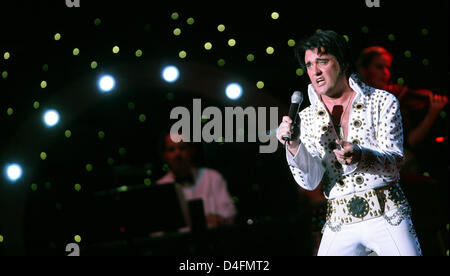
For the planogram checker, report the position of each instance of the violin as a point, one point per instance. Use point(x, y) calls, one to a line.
point(413, 99)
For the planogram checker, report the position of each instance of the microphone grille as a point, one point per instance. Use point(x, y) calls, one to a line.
point(296, 97)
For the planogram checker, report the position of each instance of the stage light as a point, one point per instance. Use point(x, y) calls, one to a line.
point(10, 111)
point(233, 91)
point(6, 55)
point(97, 21)
point(291, 43)
point(77, 238)
point(77, 187)
point(208, 46)
point(174, 16)
point(57, 36)
point(170, 73)
point(36, 105)
point(106, 83)
point(260, 85)
point(221, 28)
point(94, 64)
point(43, 84)
point(299, 72)
point(13, 172)
point(138, 53)
point(440, 139)
point(76, 52)
point(190, 21)
point(231, 42)
point(1, 238)
point(51, 118)
point(89, 167)
point(43, 155)
point(270, 50)
point(250, 57)
point(275, 15)
point(68, 133)
point(4, 74)
point(177, 31)
point(221, 62)
point(116, 49)
point(182, 54)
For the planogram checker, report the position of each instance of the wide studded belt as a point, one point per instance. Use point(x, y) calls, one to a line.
point(365, 205)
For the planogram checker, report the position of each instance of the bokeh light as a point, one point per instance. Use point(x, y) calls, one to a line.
point(233, 91)
point(13, 172)
point(51, 118)
point(170, 73)
point(106, 83)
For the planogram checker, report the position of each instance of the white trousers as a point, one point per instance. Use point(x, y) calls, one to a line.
point(374, 234)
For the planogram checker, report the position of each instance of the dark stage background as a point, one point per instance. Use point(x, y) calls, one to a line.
point(107, 141)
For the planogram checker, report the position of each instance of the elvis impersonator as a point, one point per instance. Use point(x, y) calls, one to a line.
point(350, 140)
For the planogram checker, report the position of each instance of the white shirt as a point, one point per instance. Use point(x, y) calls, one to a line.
point(375, 125)
point(211, 187)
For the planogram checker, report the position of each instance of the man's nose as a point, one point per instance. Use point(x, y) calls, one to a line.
point(317, 70)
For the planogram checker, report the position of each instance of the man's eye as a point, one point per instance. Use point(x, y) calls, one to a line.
point(323, 61)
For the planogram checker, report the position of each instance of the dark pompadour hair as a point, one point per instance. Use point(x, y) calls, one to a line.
point(327, 42)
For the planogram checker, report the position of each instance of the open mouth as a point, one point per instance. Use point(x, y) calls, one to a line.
point(320, 81)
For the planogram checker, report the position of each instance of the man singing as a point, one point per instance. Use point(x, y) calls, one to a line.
point(350, 140)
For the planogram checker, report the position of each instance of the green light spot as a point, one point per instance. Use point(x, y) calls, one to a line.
point(260, 85)
point(446, 253)
point(89, 167)
point(190, 21)
point(34, 187)
point(147, 182)
point(36, 105)
point(182, 54)
point(299, 72)
point(76, 52)
point(174, 16)
point(165, 168)
point(425, 32)
point(401, 81)
point(391, 37)
point(131, 106)
point(208, 46)
point(427, 174)
point(122, 151)
point(77, 187)
point(43, 84)
point(231, 42)
point(221, 62)
point(101, 134)
point(138, 53)
point(426, 62)
point(1, 238)
point(221, 28)
point(10, 111)
point(57, 36)
point(68, 133)
point(43, 155)
point(275, 15)
point(447, 227)
point(408, 54)
point(142, 118)
point(45, 67)
point(122, 188)
point(318, 31)
point(291, 43)
point(170, 96)
point(116, 49)
point(270, 50)
point(443, 114)
point(94, 64)
point(250, 57)
point(4, 74)
point(177, 31)
point(110, 161)
point(235, 199)
point(77, 238)
point(7, 55)
point(346, 38)
point(148, 172)
point(365, 29)
point(48, 185)
point(97, 21)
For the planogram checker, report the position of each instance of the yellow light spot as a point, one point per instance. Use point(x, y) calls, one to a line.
point(43, 84)
point(76, 51)
point(231, 42)
point(138, 53)
point(208, 45)
point(57, 36)
point(182, 54)
point(260, 84)
point(94, 64)
point(221, 28)
point(177, 31)
point(190, 21)
point(68, 133)
point(116, 49)
point(43, 155)
point(291, 43)
point(6, 55)
point(270, 50)
point(77, 238)
point(346, 38)
point(9, 111)
point(318, 31)
point(275, 15)
point(1, 238)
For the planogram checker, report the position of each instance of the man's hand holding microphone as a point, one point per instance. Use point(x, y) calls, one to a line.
point(288, 131)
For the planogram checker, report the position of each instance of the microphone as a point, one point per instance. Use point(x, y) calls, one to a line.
point(296, 101)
